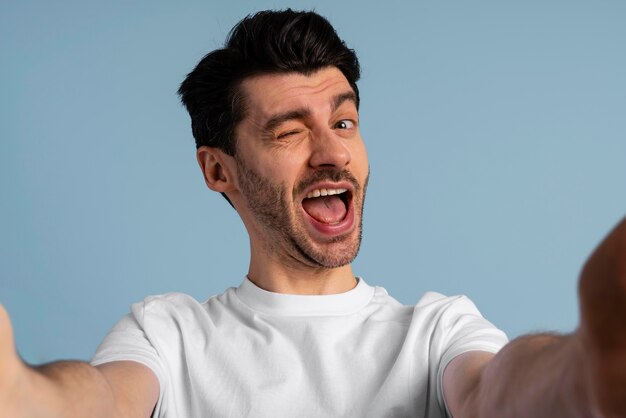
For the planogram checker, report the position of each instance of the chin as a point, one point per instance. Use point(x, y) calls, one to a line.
point(339, 252)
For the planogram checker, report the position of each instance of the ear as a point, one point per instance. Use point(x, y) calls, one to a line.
point(217, 168)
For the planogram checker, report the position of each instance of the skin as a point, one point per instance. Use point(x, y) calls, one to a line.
point(321, 137)
point(122, 389)
point(582, 374)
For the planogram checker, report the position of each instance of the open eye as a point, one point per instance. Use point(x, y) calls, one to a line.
point(345, 124)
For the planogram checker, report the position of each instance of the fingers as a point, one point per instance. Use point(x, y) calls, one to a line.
point(6, 333)
point(602, 291)
point(10, 363)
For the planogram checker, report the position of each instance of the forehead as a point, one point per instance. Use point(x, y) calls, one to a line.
point(270, 93)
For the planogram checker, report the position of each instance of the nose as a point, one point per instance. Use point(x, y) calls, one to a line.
point(329, 150)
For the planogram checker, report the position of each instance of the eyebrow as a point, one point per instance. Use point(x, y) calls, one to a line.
point(279, 118)
point(303, 113)
point(343, 97)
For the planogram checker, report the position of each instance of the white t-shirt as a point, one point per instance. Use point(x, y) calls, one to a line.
point(253, 353)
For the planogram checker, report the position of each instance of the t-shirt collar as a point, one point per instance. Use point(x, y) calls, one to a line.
point(305, 305)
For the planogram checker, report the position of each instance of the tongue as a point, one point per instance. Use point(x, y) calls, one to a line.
point(326, 209)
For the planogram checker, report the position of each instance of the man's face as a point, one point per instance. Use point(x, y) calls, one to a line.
point(302, 167)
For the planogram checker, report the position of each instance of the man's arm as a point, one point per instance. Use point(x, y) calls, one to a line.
point(72, 388)
point(533, 376)
point(582, 374)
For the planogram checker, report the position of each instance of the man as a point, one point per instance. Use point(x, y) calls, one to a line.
point(275, 117)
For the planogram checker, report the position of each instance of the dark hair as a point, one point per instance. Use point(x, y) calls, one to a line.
point(266, 42)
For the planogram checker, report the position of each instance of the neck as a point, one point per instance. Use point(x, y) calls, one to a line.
point(300, 280)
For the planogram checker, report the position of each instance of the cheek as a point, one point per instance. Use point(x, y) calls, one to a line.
point(359, 160)
point(281, 171)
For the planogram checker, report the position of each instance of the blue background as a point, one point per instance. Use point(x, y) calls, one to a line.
point(496, 134)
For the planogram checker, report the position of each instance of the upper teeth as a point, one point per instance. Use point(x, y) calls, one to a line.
point(325, 192)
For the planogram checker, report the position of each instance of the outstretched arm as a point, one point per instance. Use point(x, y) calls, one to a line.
point(71, 388)
point(582, 374)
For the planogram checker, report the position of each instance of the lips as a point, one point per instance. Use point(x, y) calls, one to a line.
point(328, 206)
point(327, 201)
point(330, 215)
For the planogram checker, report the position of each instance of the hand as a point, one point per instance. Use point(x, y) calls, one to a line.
point(12, 369)
point(602, 291)
point(71, 388)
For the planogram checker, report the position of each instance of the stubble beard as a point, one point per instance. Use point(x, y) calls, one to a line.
point(271, 204)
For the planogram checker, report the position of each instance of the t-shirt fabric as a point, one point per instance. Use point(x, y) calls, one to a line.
point(253, 353)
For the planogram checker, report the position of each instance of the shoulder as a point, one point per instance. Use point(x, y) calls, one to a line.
point(454, 324)
point(438, 300)
point(432, 309)
point(168, 302)
point(452, 314)
point(440, 304)
point(176, 307)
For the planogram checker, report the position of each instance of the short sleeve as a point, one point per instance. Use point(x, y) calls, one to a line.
point(460, 329)
point(127, 341)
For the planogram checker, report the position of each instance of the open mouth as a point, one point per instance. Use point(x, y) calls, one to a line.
point(328, 206)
